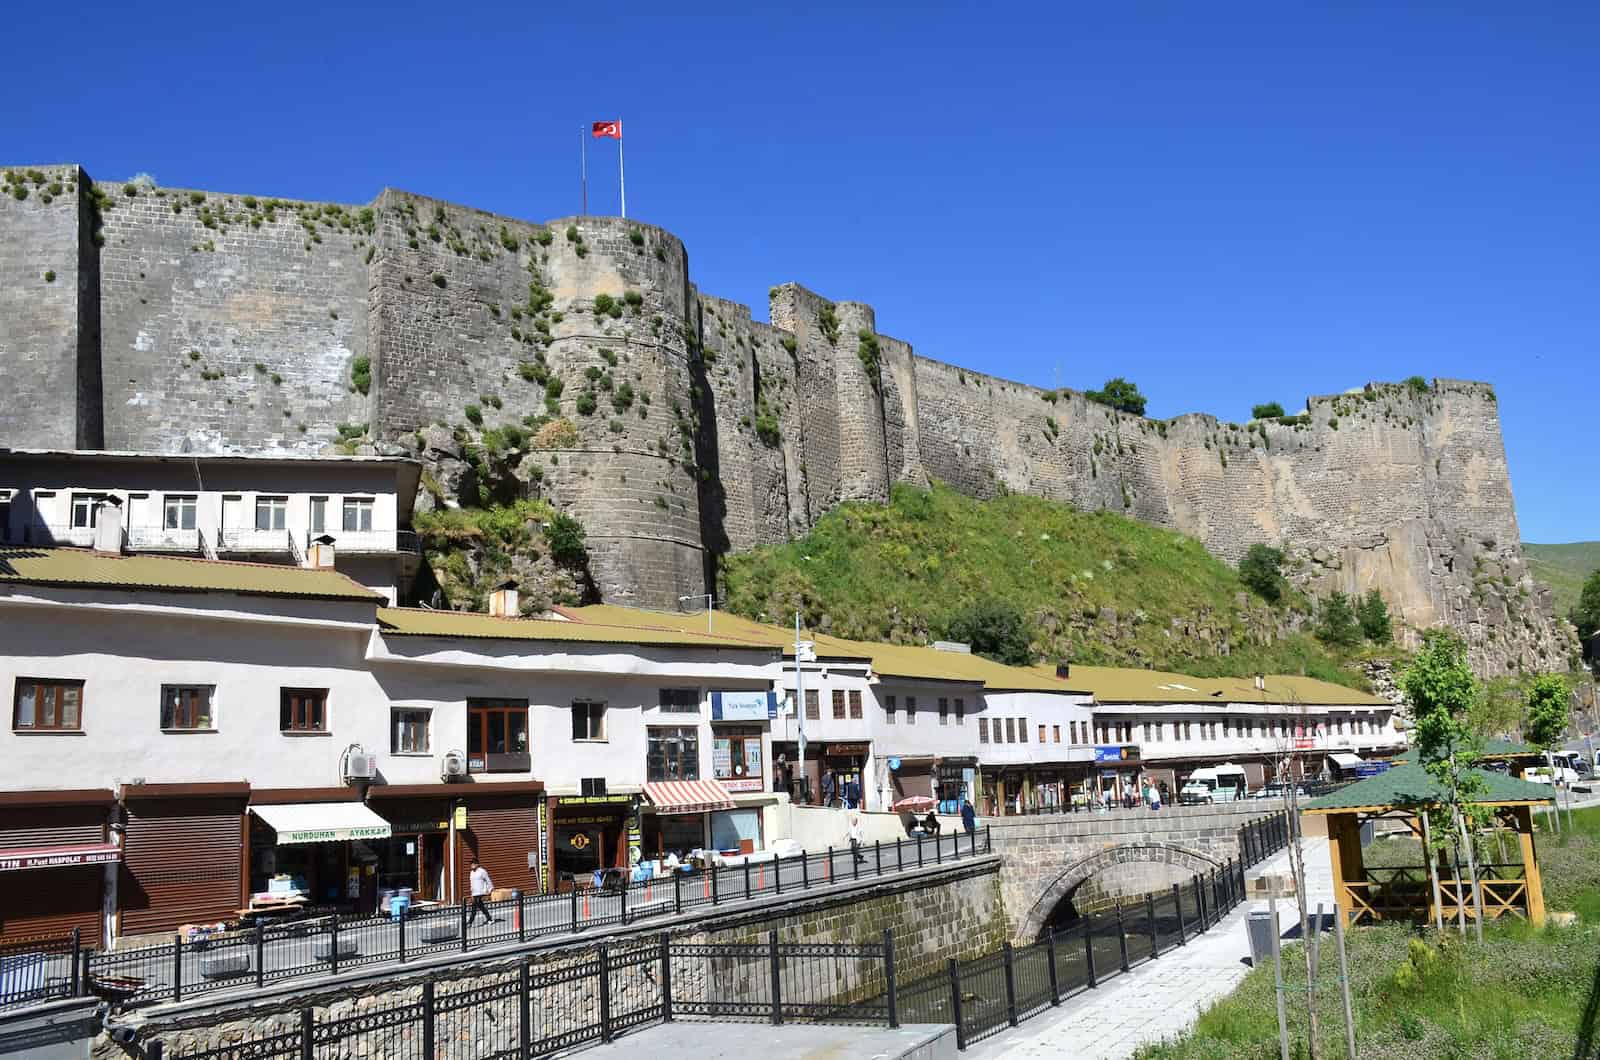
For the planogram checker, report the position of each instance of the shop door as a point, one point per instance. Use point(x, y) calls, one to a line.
point(431, 866)
point(181, 863)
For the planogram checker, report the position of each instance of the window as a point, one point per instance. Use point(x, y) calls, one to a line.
point(186, 707)
point(1145, 728)
point(1011, 730)
point(1188, 734)
point(83, 505)
point(961, 711)
point(813, 710)
point(272, 513)
point(944, 711)
point(983, 730)
point(911, 710)
point(1022, 730)
point(357, 513)
point(48, 705)
point(855, 704)
point(5, 515)
point(888, 710)
point(588, 720)
point(670, 754)
point(736, 755)
point(838, 704)
point(319, 515)
point(1041, 735)
point(497, 735)
point(410, 728)
point(1057, 731)
point(179, 513)
point(303, 710)
point(679, 700)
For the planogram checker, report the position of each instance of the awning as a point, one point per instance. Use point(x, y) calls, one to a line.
point(18, 858)
point(322, 822)
point(1346, 760)
point(687, 796)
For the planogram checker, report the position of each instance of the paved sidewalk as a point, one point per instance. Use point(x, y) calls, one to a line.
point(1163, 997)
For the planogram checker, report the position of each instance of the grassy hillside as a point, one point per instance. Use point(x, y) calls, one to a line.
point(1093, 587)
point(1563, 568)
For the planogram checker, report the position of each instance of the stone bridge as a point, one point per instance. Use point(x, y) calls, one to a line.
point(1050, 859)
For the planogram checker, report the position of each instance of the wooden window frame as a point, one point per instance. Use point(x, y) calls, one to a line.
point(813, 705)
point(855, 704)
point(303, 711)
point(983, 730)
point(58, 687)
point(395, 743)
point(838, 704)
point(184, 709)
point(688, 759)
point(480, 711)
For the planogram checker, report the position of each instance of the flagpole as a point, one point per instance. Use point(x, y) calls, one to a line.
point(622, 180)
point(583, 169)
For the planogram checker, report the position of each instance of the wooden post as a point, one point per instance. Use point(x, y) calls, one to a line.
point(1530, 866)
point(1340, 838)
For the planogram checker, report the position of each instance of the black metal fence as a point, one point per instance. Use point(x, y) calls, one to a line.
point(541, 1007)
point(322, 946)
point(33, 970)
point(988, 994)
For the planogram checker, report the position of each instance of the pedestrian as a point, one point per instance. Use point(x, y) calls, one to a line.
point(857, 836)
point(482, 887)
point(969, 816)
point(930, 824)
point(827, 788)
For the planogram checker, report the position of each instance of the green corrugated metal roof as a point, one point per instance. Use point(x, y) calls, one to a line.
point(1122, 684)
point(84, 569)
point(1410, 785)
point(422, 623)
point(1491, 749)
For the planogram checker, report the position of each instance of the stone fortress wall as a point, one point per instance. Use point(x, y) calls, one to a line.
point(180, 320)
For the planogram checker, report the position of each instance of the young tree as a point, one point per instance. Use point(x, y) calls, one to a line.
point(1288, 768)
point(1586, 616)
point(1338, 623)
point(1373, 614)
point(1119, 394)
point(1261, 570)
point(1271, 410)
point(1442, 691)
point(1545, 724)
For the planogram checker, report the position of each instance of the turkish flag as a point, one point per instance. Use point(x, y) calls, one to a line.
point(612, 129)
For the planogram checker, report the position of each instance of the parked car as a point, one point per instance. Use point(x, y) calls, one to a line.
point(1209, 784)
point(1278, 791)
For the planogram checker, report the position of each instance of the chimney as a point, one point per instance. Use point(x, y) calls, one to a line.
point(108, 525)
point(319, 553)
point(503, 600)
point(1261, 682)
point(1063, 670)
point(952, 646)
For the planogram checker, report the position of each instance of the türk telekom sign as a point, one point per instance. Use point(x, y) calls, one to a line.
point(59, 857)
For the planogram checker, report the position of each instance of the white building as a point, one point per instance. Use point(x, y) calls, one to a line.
point(262, 508)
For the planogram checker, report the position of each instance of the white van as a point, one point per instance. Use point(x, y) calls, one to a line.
point(1209, 784)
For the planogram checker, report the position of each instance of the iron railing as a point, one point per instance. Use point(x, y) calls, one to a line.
point(34, 970)
point(328, 945)
point(550, 1005)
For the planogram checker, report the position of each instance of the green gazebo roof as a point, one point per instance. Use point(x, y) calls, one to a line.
point(1491, 749)
point(1408, 784)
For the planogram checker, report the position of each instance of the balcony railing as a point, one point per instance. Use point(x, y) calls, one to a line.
point(163, 539)
point(58, 534)
point(249, 539)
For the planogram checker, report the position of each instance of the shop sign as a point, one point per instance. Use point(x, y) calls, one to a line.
point(1304, 743)
point(744, 706)
point(594, 800)
point(332, 835)
point(407, 827)
point(1116, 754)
point(746, 784)
point(45, 859)
point(461, 818)
point(846, 750)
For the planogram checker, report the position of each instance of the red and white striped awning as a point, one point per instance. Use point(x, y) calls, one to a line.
point(687, 796)
point(13, 860)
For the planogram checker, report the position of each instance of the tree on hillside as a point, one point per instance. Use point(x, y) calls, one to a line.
point(1338, 625)
point(1119, 394)
point(1261, 570)
point(1271, 410)
point(1442, 691)
point(566, 538)
point(995, 629)
point(1545, 723)
point(1586, 616)
point(1373, 615)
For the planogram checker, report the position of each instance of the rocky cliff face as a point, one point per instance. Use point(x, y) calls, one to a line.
point(187, 320)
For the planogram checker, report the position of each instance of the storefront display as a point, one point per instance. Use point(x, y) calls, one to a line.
point(587, 833)
point(415, 856)
point(736, 758)
point(736, 831)
point(842, 780)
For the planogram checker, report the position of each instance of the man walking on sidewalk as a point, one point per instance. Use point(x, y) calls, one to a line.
point(857, 836)
point(482, 887)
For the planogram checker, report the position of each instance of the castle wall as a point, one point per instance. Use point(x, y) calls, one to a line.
point(215, 321)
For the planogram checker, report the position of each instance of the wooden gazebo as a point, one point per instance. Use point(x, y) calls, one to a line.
point(1517, 757)
point(1406, 892)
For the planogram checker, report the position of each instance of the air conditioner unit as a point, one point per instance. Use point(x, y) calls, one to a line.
point(452, 765)
point(360, 765)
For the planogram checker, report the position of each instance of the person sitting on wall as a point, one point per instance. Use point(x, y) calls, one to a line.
point(930, 824)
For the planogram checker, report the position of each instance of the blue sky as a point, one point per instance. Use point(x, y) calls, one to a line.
point(1227, 203)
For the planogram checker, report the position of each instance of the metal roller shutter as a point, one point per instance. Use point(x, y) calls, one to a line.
point(52, 902)
point(53, 826)
point(181, 863)
point(501, 833)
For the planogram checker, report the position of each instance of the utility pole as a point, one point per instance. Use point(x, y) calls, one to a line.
point(800, 703)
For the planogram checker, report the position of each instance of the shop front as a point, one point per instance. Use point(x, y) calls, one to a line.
point(1117, 769)
point(842, 769)
point(499, 824)
point(182, 856)
point(315, 856)
point(678, 816)
point(955, 781)
point(588, 834)
point(53, 856)
point(416, 855)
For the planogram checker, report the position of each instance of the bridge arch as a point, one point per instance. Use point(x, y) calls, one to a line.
point(1068, 881)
